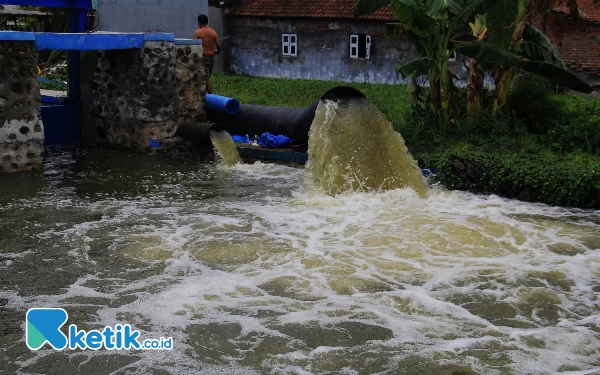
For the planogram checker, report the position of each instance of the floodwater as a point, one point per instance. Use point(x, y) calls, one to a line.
point(252, 271)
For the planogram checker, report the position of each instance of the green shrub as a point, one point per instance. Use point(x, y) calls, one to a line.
point(578, 129)
point(531, 103)
point(572, 180)
point(52, 85)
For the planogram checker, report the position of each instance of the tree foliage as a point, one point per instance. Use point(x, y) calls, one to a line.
point(495, 34)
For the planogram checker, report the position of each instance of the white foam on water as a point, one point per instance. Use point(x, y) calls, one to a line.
point(453, 276)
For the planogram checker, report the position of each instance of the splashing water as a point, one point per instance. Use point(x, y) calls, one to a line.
point(225, 148)
point(251, 275)
point(353, 148)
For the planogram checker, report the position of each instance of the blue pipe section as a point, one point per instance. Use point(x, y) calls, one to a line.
point(222, 104)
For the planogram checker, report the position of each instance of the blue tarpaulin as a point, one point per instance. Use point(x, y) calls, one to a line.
point(241, 138)
point(269, 140)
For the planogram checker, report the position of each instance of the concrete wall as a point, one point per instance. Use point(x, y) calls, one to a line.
point(323, 50)
point(173, 16)
point(215, 21)
point(21, 128)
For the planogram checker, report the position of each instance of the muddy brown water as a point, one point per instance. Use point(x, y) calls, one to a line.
point(253, 271)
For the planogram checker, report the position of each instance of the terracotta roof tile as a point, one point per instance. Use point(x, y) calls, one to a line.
point(345, 9)
point(587, 10)
point(306, 9)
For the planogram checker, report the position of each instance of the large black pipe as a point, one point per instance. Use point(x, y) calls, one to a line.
point(198, 132)
point(292, 122)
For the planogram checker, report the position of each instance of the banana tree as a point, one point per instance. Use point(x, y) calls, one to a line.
point(476, 73)
point(512, 44)
point(509, 29)
point(430, 25)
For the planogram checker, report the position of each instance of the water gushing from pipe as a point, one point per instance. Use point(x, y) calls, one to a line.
point(352, 147)
point(225, 150)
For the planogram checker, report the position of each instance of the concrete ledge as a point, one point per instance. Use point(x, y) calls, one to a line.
point(17, 36)
point(97, 41)
point(53, 96)
point(69, 4)
point(187, 42)
point(159, 37)
point(287, 155)
point(100, 41)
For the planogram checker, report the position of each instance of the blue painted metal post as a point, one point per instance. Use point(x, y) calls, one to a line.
point(78, 24)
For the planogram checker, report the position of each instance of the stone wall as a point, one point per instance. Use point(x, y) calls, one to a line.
point(135, 95)
point(21, 128)
point(192, 86)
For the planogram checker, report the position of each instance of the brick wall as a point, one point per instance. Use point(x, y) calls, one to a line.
point(578, 43)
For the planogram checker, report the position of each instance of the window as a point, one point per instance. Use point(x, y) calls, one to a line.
point(360, 46)
point(289, 44)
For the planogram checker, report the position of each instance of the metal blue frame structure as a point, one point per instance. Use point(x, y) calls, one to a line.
point(68, 4)
point(62, 116)
point(62, 124)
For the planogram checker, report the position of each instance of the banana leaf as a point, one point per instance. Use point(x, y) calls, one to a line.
point(533, 35)
point(534, 52)
point(437, 8)
point(501, 13)
point(462, 17)
point(489, 53)
point(416, 67)
point(557, 75)
point(414, 17)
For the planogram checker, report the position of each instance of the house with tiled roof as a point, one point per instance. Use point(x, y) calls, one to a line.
point(313, 40)
point(323, 40)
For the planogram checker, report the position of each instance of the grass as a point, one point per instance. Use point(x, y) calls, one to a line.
point(569, 115)
point(392, 100)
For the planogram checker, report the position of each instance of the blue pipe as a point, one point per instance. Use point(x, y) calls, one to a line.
point(222, 104)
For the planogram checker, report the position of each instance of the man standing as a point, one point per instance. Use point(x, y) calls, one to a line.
point(211, 46)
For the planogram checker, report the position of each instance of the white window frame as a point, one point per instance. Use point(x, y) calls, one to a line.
point(289, 42)
point(355, 46)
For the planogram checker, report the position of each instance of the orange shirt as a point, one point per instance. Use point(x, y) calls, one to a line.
point(210, 40)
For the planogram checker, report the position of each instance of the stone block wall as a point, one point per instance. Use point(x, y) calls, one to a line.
point(21, 127)
point(144, 95)
point(134, 95)
point(192, 83)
